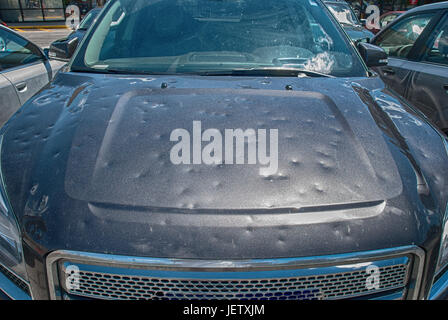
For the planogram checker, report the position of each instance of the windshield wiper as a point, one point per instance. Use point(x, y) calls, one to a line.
point(93, 70)
point(122, 71)
point(116, 71)
point(268, 72)
point(257, 72)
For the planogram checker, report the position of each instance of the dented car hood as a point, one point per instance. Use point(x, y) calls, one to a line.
point(86, 165)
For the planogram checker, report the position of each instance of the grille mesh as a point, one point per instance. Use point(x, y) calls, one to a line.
point(18, 282)
point(101, 285)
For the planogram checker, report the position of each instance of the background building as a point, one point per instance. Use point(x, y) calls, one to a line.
point(41, 10)
point(54, 10)
point(387, 5)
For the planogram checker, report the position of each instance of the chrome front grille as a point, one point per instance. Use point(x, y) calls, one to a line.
point(325, 286)
point(331, 277)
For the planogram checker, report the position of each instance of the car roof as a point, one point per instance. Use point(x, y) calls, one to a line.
point(394, 12)
point(431, 6)
point(424, 8)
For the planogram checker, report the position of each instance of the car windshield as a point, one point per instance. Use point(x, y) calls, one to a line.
point(217, 37)
point(88, 20)
point(343, 13)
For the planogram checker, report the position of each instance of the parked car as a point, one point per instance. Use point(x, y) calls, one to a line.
point(24, 70)
point(387, 18)
point(348, 19)
point(417, 44)
point(129, 177)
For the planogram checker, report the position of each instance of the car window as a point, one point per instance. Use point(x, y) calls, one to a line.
point(387, 19)
point(194, 36)
point(399, 39)
point(343, 13)
point(438, 52)
point(16, 51)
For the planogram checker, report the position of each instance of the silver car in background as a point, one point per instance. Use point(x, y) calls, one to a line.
point(417, 46)
point(24, 70)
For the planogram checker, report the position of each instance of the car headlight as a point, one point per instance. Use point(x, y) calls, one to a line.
point(443, 252)
point(11, 254)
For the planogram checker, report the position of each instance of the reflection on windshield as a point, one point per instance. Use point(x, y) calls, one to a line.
point(194, 36)
point(2, 44)
point(343, 13)
point(88, 20)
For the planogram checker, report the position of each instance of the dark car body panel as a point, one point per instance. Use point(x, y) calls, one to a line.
point(86, 167)
point(358, 170)
point(428, 91)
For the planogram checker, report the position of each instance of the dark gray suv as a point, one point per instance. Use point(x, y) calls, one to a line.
point(201, 149)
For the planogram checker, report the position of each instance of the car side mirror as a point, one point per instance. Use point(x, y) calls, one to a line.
point(63, 49)
point(372, 55)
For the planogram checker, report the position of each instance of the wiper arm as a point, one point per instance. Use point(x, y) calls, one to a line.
point(93, 70)
point(120, 71)
point(269, 72)
point(257, 72)
point(115, 71)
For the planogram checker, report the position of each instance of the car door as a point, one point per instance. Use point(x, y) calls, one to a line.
point(23, 64)
point(9, 100)
point(428, 90)
point(399, 40)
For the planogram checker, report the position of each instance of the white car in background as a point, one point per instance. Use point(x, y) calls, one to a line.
point(24, 70)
